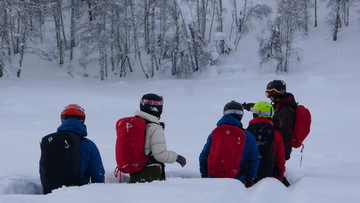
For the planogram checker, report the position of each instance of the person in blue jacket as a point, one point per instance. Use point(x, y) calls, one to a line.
point(249, 163)
point(91, 166)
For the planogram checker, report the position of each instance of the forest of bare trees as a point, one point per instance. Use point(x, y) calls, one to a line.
point(116, 37)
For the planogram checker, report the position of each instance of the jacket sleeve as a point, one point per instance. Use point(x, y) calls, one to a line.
point(252, 158)
point(157, 144)
point(286, 119)
point(286, 124)
point(203, 157)
point(96, 169)
point(279, 153)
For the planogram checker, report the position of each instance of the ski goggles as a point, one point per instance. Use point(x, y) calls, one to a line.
point(267, 114)
point(270, 92)
point(151, 102)
point(234, 111)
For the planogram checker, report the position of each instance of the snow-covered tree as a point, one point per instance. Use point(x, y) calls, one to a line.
point(339, 15)
point(277, 45)
point(242, 16)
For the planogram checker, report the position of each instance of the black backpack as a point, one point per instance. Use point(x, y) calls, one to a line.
point(264, 134)
point(60, 160)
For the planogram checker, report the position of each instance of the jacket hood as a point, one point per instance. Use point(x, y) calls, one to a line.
point(229, 120)
point(73, 125)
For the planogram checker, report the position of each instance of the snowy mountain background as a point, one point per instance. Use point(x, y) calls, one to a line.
point(325, 81)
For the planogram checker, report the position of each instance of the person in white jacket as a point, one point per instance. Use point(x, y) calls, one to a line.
point(151, 106)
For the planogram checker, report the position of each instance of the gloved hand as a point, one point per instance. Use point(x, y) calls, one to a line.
point(249, 183)
point(285, 182)
point(247, 106)
point(162, 125)
point(181, 160)
point(204, 175)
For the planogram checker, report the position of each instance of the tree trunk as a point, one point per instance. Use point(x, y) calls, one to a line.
point(153, 43)
point(347, 11)
point(91, 17)
point(5, 31)
point(136, 40)
point(306, 12)
point(62, 22)
point(1, 68)
point(59, 41)
point(337, 21)
point(175, 53)
point(220, 27)
point(147, 23)
point(72, 28)
point(212, 23)
point(315, 15)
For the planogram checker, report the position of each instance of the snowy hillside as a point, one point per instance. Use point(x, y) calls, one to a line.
point(326, 81)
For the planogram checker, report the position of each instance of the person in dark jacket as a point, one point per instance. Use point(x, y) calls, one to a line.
point(91, 167)
point(249, 163)
point(284, 116)
point(270, 144)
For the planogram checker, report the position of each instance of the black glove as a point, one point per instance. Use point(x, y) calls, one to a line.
point(249, 183)
point(247, 106)
point(285, 182)
point(204, 175)
point(162, 125)
point(181, 160)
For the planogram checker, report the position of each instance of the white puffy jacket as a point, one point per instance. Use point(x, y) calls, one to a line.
point(155, 139)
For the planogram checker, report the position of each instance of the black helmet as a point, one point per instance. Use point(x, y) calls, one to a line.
point(152, 104)
point(276, 88)
point(235, 109)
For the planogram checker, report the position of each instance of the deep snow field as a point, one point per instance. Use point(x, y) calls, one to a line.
point(326, 81)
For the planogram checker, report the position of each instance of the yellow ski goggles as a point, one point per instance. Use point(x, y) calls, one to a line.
point(271, 92)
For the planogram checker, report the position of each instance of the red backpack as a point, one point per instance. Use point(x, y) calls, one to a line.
point(227, 146)
point(301, 126)
point(129, 147)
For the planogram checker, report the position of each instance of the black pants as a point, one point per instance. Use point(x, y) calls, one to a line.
point(150, 173)
point(154, 170)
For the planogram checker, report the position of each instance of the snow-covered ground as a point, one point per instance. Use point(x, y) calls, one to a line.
point(326, 81)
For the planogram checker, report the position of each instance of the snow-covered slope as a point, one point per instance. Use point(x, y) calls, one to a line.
point(326, 81)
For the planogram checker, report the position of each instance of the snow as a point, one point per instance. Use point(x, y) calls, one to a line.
point(325, 81)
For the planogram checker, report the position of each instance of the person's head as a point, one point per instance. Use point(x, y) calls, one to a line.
point(235, 109)
point(262, 109)
point(152, 104)
point(73, 111)
point(275, 90)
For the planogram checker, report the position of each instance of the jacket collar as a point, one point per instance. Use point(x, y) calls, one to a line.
point(73, 125)
point(288, 98)
point(147, 116)
point(261, 120)
point(230, 120)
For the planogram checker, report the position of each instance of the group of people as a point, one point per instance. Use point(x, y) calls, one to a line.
point(267, 140)
point(252, 156)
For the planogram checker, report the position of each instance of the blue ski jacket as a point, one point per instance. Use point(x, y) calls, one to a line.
point(250, 157)
point(91, 166)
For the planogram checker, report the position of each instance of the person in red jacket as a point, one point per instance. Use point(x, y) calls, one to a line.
point(269, 141)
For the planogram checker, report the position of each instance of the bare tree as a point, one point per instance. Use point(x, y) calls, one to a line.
point(277, 46)
point(57, 14)
point(73, 26)
point(315, 14)
point(339, 15)
point(306, 14)
point(136, 37)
